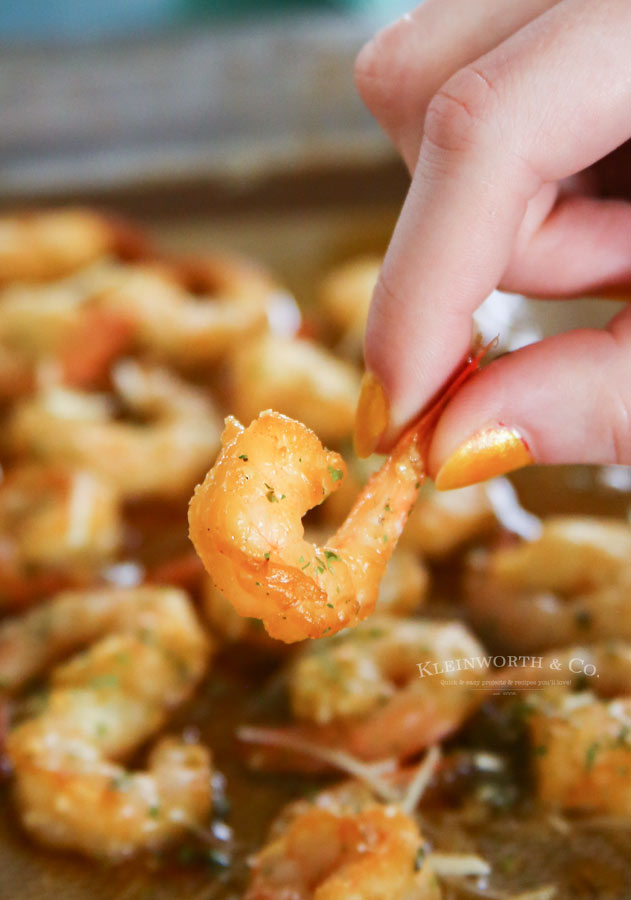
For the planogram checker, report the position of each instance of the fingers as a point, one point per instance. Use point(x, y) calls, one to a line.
point(545, 104)
point(400, 70)
point(565, 399)
point(583, 245)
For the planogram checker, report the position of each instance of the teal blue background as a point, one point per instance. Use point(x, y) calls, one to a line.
point(41, 20)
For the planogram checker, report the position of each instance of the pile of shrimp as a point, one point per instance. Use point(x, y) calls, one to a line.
point(126, 374)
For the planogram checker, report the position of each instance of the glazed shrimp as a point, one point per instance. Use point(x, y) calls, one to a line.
point(345, 294)
point(580, 726)
point(150, 654)
point(56, 525)
point(363, 692)
point(245, 522)
point(443, 521)
point(571, 584)
point(45, 245)
point(16, 376)
point(37, 319)
point(402, 592)
point(195, 323)
point(161, 457)
point(582, 753)
point(343, 844)
point(297, 378)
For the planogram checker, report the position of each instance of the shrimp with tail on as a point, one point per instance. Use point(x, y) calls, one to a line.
point(245, 522)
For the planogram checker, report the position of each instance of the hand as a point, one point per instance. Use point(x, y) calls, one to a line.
point(494, 105)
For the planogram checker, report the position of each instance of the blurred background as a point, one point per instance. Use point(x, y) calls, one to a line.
point(99, 95)
point(218, 123)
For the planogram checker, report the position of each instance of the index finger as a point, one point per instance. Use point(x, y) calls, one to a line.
point(546, 103)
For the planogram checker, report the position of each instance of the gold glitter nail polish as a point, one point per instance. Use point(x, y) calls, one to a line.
point(372, 416)
point(490, 452)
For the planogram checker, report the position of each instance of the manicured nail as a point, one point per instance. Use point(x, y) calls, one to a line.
point(488, 453)
point(372, 416)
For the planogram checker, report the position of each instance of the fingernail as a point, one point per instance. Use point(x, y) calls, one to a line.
point(372, 416)
point(488, 453)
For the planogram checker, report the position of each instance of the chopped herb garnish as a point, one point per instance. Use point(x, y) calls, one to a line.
point(266, 555)
point(243, 457)
point(583, 618)
point(330, 605)
point(419, 859)
point(120, 782)
point(330, 554)
point(387, 508)
point(305, 565)
point(335, 474)
point(154, 811)
point(590, 755)
point(104, 681)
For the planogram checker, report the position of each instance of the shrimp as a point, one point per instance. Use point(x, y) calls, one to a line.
point(56, 525)
point(582, 753)
point(343, 844)
point(402, 591)
point(42, 246)
point(162, 457)
point(38, 319)
point(345, 294)
point(363, 692)
point(581, 741)
point(245, 522)
point(297, 378)
point(571, 584)
point(442, 521)
point(193, 316)
point(150, 653)
point(58, 333)
point(16, 375)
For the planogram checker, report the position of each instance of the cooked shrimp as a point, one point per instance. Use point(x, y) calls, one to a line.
point(193, 318)
point(573, 554)
point(56, 525)
point(402, 592)
point(345, 295)
point(439, 524)
point(343, 844)
point(442, 521)
point(582, 753)
point(16, 375)
point(297, 378)
point(571, 584)
point(245, 522)
point(603, 667)
point(37, 319)
point(58, 332)
point(45, 245)
point(162, 457)
point(387, 689)
point(102, 705)
point(581, 741)
point(364, 692)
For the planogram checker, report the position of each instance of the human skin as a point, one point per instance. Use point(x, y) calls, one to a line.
point(506, 115)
